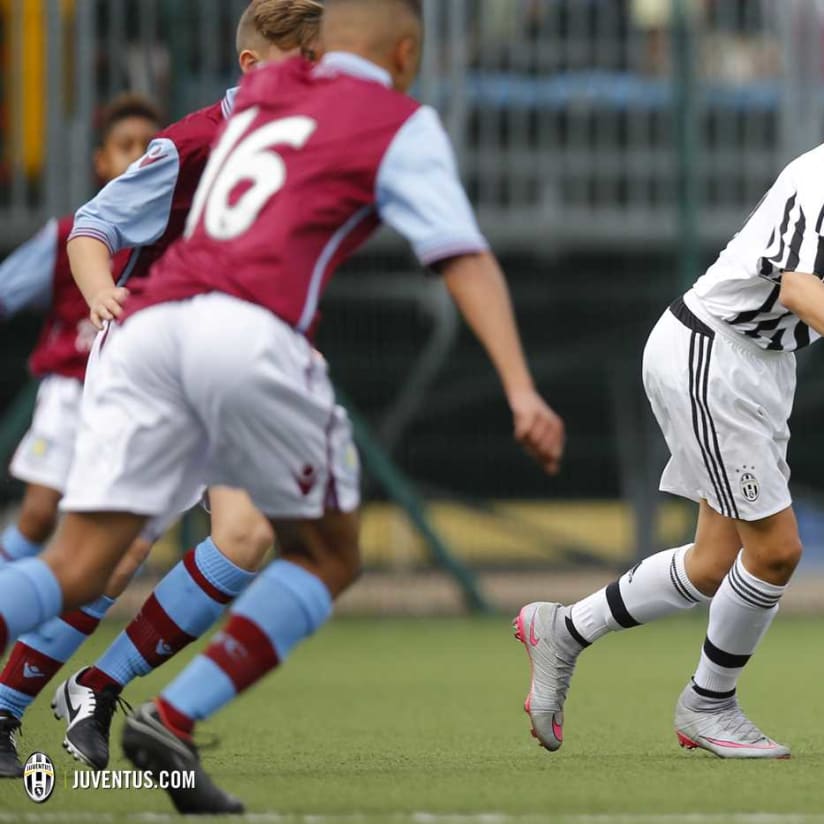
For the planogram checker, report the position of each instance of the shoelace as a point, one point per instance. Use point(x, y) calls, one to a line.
point(9, 730)
point(105, 705)
point(734, 722)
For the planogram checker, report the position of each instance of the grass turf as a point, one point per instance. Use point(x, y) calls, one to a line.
point(387, 718)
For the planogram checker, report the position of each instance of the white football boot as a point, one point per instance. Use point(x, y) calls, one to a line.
point(723, 730)
point(538, 627)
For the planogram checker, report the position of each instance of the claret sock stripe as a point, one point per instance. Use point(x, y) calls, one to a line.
point(37, 656)
point(188, 600)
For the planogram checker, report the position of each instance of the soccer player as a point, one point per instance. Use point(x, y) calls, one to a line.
point(212, 367)
point(37, 275)
point(719, 372)
point(146, 209)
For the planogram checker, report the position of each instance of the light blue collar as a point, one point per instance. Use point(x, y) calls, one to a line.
point(357, 66)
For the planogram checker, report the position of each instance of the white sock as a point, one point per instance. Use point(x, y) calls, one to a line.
point(740, 615)
point(656, 587)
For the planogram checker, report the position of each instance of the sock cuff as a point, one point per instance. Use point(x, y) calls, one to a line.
point(97, 609)
point(753, 590)
point(42, 580)
point(16, 545)
point(310, 592)
point(680, 580)
point(219, 571)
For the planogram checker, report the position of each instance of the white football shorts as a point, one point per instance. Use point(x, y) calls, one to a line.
point(44, 455)
point(723, 404)
point(212, 391)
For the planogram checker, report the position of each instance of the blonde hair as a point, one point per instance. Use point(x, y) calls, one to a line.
point(287, 24)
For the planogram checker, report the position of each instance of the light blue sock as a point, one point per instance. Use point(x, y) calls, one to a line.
point(189, 599)
point(29, 595)
point(15, 546)
point(61, 637)
point(283, 606)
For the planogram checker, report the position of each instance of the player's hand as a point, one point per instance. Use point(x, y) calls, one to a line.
point(538, 429)
point(108, 305)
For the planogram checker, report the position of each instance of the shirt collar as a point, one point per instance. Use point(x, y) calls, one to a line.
point(355, 65)
point(228, 103)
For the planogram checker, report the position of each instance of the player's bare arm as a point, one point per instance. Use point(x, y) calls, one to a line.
point(479, 289)
point(803, 295)
point(92, 270)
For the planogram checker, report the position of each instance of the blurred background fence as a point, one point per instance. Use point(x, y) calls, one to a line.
point(611, 147)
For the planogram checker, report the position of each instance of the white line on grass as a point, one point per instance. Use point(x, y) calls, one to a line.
point(56, 817)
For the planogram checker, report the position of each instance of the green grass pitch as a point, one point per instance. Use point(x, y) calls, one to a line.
point(420, 721)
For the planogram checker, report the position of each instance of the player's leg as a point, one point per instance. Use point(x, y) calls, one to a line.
point(43, 461)
point(281, 436)
point(186, 602)
point(192, 595)
point(73, 571)
point(670, 581)
point(25, 539)
point(37, 656)
point(287, 603)
point(707, 714)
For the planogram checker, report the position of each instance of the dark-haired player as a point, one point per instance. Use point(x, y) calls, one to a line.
point(37, 275)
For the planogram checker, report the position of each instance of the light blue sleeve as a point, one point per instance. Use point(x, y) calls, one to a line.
point(133, 210)
point(27, 274)
point(420, 195)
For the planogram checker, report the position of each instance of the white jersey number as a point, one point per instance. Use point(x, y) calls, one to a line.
point(250, 162)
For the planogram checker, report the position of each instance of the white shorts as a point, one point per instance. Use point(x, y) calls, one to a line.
point(177, 505)
point(723, 404)
point(212, 391)
point(44, 456)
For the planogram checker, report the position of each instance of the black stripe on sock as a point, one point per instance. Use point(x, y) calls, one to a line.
point(747, 592)
point(680, 588)
point(573, 631)
point(724, 659)
point(718, 696)
point(618, 608)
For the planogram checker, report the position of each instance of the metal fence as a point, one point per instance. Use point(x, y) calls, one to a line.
point(574, 120)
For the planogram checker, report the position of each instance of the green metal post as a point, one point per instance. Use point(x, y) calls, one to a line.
point(401, 490)
point(685, 125)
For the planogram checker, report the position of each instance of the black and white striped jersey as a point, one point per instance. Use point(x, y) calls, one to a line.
point(783, 234)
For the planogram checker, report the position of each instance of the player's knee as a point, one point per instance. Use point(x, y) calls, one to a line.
point(782, 559)
point(244, 541)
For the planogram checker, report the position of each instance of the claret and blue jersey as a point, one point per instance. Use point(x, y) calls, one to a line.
point(313, 159)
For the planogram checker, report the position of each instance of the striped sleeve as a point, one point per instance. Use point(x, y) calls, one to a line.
point(796, 243)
